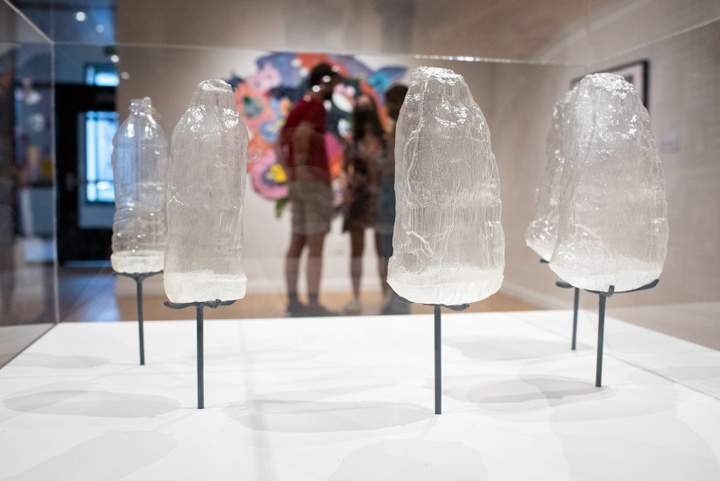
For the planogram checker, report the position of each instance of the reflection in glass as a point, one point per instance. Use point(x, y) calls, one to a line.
point(26, 185)
point(100, 128)
point(93, 23)
point(165, 64)
point(102, 74)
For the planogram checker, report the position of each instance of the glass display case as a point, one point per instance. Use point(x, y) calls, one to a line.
point(518, 61)
point(348, 397)
point(28, 282)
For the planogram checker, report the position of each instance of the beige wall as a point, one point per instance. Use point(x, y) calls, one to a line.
point(681, 41)
point(516, 97)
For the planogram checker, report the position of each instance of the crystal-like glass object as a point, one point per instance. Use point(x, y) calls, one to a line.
point(140, 163)
point(448, 242)
point(541, 234)
point(613, 227)
point(206, 191)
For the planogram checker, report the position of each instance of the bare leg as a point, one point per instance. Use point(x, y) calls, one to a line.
point(315, 244)
point(357, 246)
point(292, 265)
point(382, 264)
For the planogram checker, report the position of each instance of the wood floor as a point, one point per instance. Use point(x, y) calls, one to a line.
point(90, 295)
point(273, 306)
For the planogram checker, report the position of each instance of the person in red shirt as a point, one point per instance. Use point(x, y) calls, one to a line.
point(302, 144)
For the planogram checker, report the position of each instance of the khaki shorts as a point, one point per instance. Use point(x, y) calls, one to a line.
point(312, 207)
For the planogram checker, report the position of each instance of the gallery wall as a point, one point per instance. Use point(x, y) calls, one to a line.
point(681, 43)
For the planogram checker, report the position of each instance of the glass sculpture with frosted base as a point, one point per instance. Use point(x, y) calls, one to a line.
point(541, 234)
point(205, 208)
point(448, 243)
point(612, 228)
point(205, 199)
point(140, 163)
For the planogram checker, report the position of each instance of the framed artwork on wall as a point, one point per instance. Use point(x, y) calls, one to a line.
point(636, 73)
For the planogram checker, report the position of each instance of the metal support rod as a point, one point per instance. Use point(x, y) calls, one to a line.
point(600, 341)
point(200, 357)
point(199, 306)
point(139, 277)
point(438, 361)
point(141, 332)
point(576, 306)
point(601, 319)
point(438, 350)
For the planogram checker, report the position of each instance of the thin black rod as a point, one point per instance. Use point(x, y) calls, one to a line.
point(600, 341)
point(139, 278)
point(200, 355)
point(575, 317)
point(199, 306)
point(438, 361)
point(141, 331)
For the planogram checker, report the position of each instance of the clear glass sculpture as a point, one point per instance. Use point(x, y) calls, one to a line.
point(613, 227)
point(448, 243)
point(541, 234)
point(206, 189)
point(140, 163)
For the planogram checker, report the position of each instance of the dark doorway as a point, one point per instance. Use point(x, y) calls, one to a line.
point(86, 122)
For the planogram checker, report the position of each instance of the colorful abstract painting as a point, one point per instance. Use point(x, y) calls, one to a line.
point(265, 97)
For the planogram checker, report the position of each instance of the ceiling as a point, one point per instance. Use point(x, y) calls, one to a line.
point(512, 29)
point(75, 21)
point(503, 29)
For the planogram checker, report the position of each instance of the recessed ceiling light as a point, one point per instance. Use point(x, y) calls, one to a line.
point(80, 16)
point(99, 29)
point(114, 58)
